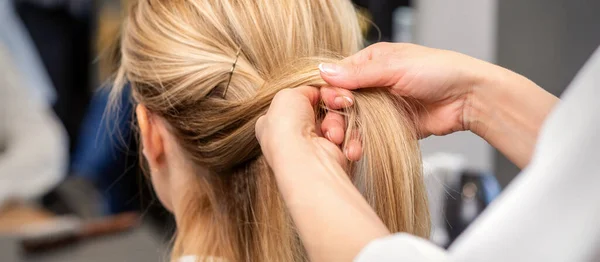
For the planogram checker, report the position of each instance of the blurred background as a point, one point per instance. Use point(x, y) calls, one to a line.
point(71, 187)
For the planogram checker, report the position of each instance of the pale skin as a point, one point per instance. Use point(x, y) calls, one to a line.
point(457, 92)
point(170, 171)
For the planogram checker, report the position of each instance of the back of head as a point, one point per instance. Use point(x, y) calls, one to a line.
point(178, 55)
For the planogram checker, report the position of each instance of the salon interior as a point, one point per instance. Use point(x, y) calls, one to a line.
point(78, 193)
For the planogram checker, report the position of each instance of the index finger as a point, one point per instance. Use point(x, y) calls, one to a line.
point(369, 67)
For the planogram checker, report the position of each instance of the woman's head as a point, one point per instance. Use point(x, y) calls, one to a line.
point(199, 141)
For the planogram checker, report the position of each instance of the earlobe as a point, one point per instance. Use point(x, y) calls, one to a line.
point(151, 139)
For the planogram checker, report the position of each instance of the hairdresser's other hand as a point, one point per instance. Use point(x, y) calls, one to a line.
point(441, 80)
point(289, 127)
point(316, 189)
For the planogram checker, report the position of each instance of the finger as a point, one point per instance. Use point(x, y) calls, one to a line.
point(353, 148)
point(333, 127)
point(363, 69)
point(369, 74)
point(310, 92)
point(336, 98)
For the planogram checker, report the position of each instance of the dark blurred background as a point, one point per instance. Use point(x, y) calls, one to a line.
point(66, 166)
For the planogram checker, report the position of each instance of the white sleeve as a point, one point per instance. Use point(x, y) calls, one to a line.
point(550, 212)
point(401, 247)
point(33, 143)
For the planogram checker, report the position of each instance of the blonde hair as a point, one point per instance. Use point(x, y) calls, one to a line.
point(177, 55)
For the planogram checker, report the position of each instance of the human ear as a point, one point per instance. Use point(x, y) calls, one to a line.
point(151, 138)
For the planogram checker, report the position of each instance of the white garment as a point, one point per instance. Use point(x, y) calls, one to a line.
point(33, 143)
point(550, 212)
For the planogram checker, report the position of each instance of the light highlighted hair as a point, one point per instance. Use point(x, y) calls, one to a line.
point(177, 55)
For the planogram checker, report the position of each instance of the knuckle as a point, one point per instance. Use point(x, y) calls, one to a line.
point(381, 48)
point(339, 121)
point(282, 94)
point(287, 92)
point(380, 45)
point(260, 123)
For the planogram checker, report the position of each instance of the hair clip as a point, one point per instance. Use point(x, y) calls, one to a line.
point(237, 55)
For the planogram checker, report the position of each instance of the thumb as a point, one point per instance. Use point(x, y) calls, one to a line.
point(310, 92)
point(370, 73)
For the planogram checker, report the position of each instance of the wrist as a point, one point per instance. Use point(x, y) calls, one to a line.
point(476, 78)
point(491, 92)
point(476, 112)
point(507, 110)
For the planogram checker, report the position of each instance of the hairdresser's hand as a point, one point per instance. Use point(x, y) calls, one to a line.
point(289, 128)
point(441, 80)
point(457, 92)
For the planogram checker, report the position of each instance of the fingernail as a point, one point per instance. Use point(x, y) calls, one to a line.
point(328, 135)
point(350, 102)
point(329, 69)
point(346, 153)
point(343, 101)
